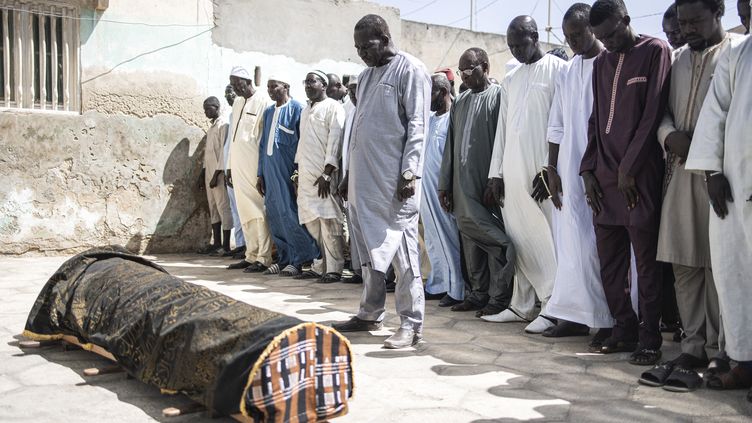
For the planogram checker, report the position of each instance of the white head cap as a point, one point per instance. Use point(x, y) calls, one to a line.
point(240, 72)
point(279, 78)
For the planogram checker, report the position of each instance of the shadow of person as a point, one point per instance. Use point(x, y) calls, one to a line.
point(184, 223)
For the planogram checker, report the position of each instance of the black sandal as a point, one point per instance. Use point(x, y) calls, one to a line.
point(330, 278)
point(657, 376)
point(717, 367)
point(255, 268)
point(645, 357)
point(683, 380)
point(613, 346)
point(308, 274)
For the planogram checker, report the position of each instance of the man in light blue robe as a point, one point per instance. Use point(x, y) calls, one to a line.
point(239, 251)
point(279, 143)
point(439, 227)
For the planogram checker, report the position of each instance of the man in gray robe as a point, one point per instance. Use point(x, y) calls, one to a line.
point(489, 254)
point(383, 180)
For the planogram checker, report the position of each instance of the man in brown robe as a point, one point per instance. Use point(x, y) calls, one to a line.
point(622, 169)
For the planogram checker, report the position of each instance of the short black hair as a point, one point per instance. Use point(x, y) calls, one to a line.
point(577, 11)
point(213, 101)
point(439, 79)
point(670, 12)
point(560, 53)
point(374, 23)
point(605, 9)
point(713, 5)
point(479, 53)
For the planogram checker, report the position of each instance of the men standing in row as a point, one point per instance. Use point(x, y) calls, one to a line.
point(245, 132)
point(213, 178)
point(439, 227)
point(683, 238)
point(578, 301)
point(239, 251)
point(279, 143)
point(386, 162)
point(520, 149)
point(318, 157)
point(722, 147)
point(488, 252)
point(623, 173)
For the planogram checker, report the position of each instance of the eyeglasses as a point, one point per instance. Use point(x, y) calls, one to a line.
point(466, 72)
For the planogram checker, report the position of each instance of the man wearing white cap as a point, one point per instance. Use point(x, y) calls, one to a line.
point(245, 131)
point(318, 156)
point(276, 171)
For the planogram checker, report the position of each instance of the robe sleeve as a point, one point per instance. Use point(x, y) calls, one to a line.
point(335, 122)
point(590, 156)
point(446, 173)
point(655, 105)
point(555, 132)
point(262, 143)
point(416, 95)
point(666, 128)
point(222, 138)
point(497, 157)
point(707, 148)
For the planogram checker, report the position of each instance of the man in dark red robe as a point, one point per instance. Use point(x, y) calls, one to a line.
point(623, 172)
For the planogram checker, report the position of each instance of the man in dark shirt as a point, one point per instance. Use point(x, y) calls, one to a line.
point(622, 169)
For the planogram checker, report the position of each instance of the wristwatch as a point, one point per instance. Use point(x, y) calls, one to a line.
point(326, 177)
point(408, 175)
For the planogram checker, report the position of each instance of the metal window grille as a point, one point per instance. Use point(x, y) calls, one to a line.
point(39, 55)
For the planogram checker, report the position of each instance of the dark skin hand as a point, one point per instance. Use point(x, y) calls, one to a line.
point(324, 186)
point(405, 188)
point(215, 177)
point(228, 177)
point(678, 142)
point(260, 187)
point(719, 191)
point(628, 187)
point(540, 193)
point(593, 191)
point(342, 188)
point(445, 198)
point(554, 184)
point(495, 189)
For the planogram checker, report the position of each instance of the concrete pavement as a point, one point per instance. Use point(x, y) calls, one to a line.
point(466, 371)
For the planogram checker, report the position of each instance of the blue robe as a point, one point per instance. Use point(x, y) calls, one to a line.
point(294, 244)
point(439, 227)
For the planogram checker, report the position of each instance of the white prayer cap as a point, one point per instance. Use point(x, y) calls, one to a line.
point(353, 80)
point(279, 78)
point(240, 72)
point(320, 74)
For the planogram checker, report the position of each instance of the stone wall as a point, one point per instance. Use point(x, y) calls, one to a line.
point(124, 171)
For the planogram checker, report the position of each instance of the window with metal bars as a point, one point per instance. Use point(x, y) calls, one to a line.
point(39, 55)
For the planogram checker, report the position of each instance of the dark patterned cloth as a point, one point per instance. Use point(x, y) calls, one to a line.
point(186, 338)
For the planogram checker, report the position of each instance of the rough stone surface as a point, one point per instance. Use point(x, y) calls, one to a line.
point(94, 179)
point(466, 371)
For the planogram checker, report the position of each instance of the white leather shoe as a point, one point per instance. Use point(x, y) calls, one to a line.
point(539, 325)
point(506, 316)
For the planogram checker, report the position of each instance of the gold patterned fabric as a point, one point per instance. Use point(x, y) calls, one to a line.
point(182, 337)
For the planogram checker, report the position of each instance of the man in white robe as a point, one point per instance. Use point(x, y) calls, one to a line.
point(245, 130)
point(722, 148)
point(520, 151)
point(383, 185)
point(578, 301)
point(318, 157)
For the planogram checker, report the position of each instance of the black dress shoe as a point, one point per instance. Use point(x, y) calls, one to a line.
point(566, 328)
point(448, 301)
point(430, 297)
point(239, 265)
point(356, 324)
point(356, 278)
point(466, 306)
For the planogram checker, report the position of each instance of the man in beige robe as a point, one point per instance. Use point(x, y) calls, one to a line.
point(245, 133)
point(683, 237)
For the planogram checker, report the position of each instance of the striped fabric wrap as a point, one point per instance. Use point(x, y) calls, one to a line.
point(184, 338)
